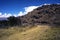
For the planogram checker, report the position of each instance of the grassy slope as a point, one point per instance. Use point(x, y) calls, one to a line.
point(35, 33)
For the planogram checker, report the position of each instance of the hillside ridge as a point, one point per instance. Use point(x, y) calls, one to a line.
point(44, 15)
point(47, 14)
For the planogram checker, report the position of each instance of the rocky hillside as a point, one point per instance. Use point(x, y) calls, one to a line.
point(46, 14)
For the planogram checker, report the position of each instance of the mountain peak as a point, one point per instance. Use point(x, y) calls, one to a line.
point(46, 14)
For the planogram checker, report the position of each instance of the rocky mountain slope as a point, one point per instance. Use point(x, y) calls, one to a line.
point(47, 14)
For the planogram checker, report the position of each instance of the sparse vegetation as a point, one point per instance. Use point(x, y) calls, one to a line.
point(40, 32)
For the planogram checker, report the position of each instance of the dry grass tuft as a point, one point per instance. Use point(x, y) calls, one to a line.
point(40, 32)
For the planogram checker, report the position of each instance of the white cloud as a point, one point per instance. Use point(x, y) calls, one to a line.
point(20, 13)
point(30, 8)
point(0, 13)
point(15, 15)
point(8, 15)
point(5, 15)
point(27, 9)
point(46, 4)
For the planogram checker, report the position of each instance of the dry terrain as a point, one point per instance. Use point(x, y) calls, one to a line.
point(41, 32)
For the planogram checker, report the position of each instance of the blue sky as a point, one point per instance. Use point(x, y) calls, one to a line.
point(15, 7)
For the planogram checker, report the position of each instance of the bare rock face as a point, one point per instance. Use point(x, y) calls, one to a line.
point(47, 14)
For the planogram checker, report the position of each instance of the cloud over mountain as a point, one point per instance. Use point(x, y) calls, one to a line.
point(5, 15)
point(26, 10)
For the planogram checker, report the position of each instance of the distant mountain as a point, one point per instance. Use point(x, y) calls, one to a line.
point(47, 14)
point(3, 18)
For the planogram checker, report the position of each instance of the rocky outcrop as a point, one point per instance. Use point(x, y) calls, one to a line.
point(47, 14)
